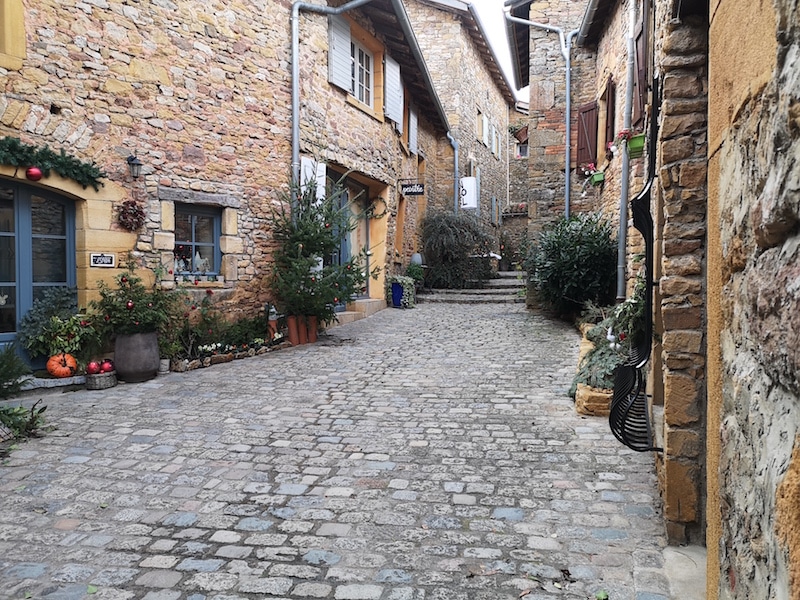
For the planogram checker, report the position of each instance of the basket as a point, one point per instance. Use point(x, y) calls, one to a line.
point(101, 381)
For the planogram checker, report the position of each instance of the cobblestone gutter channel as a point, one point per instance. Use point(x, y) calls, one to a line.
point(418, 454)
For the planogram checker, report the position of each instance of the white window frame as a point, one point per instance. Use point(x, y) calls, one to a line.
point(362, 82)
point(413, 131)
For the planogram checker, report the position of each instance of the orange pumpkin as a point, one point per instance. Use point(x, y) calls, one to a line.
point(62, 365)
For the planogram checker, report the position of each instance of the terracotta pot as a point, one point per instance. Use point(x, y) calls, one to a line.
point(302, 329)
point(136, 356)
point(292, 327)
point(312, 324)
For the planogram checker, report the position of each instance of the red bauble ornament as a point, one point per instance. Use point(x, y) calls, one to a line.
point(93, 368)
point(129, 305)
point(33, 173)
point(107, 366)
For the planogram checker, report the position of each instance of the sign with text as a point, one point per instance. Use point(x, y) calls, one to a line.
point(412, 189)
point(103, 260)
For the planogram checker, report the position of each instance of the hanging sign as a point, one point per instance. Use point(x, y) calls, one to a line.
point(412, 189)
point(103, 260)
point(468, 191)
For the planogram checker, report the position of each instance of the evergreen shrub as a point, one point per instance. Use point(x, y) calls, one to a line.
point(456, 247)
point(574, 262)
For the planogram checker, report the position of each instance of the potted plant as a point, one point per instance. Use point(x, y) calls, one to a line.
point(400, 291)
point(305, 283)
point(53, 329)
point(133, 315)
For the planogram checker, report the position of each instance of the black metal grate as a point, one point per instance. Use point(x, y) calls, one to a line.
point(629, 418)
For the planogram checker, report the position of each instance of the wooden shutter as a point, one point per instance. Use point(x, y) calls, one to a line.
point(640, 58)
point(611, 110)
point(412, 131)
point(340, 63)
point(587, 134)
point(393, 92)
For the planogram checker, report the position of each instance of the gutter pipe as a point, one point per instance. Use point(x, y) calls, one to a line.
point(408, 32)
point(454, 144)
point(622, 236)
point(565, 40)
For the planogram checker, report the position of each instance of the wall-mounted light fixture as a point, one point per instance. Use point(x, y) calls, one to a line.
point(134, 166)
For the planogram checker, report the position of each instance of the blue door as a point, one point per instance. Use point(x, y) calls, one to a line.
point(37, 249)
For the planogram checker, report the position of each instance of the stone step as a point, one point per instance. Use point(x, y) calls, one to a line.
point(463, 297)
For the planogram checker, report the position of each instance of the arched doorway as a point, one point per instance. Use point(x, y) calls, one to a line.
point(37, 249)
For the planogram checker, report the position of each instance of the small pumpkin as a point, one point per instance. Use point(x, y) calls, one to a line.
point(62, 365)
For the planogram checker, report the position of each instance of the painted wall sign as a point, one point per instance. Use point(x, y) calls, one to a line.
point(412, 189)
point(103, 260)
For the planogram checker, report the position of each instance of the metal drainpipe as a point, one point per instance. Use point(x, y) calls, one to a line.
point(454, 144)
point(565, 41)
point(622, 237)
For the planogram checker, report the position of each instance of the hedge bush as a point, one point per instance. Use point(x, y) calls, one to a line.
point(574, 262)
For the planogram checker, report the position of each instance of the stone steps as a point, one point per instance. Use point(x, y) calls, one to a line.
point(509, 287)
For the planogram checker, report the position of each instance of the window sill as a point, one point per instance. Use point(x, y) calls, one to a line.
point(352, 100)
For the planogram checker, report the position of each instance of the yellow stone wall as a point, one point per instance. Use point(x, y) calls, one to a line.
point(200, 93)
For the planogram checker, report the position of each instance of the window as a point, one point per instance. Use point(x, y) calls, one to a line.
point(362, 73)
point(587, 134)
point(479, 125)
point(12, 34)
point(197, 234)
point(355, 64)
point(522, 150)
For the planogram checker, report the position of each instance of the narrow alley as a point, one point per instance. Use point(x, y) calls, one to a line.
point(417, 454)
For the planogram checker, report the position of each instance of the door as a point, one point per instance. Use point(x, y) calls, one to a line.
point(354, 198)
point(37, 250)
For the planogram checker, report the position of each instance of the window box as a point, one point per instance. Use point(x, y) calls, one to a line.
point(597, 178)
point(636, 146)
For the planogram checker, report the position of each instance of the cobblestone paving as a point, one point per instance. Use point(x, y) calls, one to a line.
point(417, 454)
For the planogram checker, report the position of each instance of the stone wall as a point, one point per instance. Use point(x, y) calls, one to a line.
point(681, 297)
point(547, 106)
point(754, 327)
point(465, 86)
point(200, 92)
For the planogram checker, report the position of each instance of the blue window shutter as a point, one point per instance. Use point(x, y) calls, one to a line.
point(340, 71)
point(393, 92)
point(412, 131)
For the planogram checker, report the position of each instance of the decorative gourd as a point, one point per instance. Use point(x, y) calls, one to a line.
point(62, 365)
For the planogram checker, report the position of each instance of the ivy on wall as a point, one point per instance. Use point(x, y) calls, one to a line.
point(18, 154)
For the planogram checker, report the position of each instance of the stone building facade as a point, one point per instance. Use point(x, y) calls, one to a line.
point(754, 300)
point(539, 62)
point(201, 94)
point(724, 372)
point(476, 97)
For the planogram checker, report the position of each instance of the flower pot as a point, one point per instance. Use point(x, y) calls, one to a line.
point(292, 329)
point(397, 295)
point(302, 329)
point(597, 178)
point(636, 146)
point(312, 324)
point(272, 325)
point(136, 356)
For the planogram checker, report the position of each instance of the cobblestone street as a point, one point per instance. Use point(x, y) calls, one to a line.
point(426, 454)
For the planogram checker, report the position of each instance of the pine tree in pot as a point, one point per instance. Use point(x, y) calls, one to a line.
point(305, 282)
